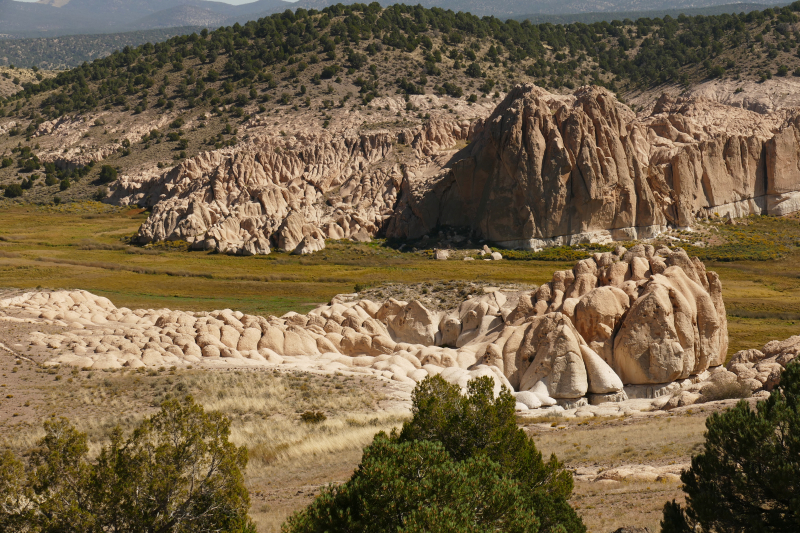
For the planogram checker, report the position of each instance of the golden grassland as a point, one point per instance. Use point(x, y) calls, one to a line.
point(84, 245)
point(263, 406)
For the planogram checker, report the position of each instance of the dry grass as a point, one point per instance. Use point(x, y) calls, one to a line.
point(613, 442)
point(264, 408)
point(726, 391)
point(605, 508)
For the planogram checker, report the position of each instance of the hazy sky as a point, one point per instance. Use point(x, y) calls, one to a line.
point(235, 2)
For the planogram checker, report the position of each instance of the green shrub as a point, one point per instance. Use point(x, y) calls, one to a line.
point(460, 464)
point(313, 417)
point(50, 180)
point(177, 472)
point(747, 477)
point(65, 184)
point(29, 165)
point(107, 174)
point(101, 193)
point(474, 71)
point(480, 424)
point(451, 89)
point(13, 191)
point(416, 487)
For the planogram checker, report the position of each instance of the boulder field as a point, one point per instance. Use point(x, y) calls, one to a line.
point(638, 323)
point(540, 169)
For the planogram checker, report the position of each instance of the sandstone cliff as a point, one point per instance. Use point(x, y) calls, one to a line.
point(541, 170)
point(562, 170)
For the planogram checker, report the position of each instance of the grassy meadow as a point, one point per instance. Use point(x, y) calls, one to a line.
point(85, 245)
point(77, 246)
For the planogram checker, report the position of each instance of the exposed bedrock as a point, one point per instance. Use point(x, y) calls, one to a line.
point(291, 193)
point(638, 317)
point(562, 170)
point(541, 170)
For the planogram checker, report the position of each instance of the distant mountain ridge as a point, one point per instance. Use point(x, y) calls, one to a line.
point(22, 19)
point(112, 16)
point(187, 15)
point(599, 16)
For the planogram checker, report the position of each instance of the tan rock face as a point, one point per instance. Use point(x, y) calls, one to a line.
point(671, 332)
point(597, 317)
point(291, 193)
point(558, 170)
point(541, 169)
point(551, 353)
point(666, 327)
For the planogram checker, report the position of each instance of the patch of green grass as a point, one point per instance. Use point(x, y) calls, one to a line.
point(756, 238)
point(558, 253)
point(88, 250)
point(87, 247)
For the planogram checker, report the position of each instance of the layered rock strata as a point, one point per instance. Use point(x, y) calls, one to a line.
point(613, 326)
point(540, 170)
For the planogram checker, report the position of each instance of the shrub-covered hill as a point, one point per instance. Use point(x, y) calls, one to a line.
point(413, 50)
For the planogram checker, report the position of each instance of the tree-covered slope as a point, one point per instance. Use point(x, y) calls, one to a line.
point(284, 58)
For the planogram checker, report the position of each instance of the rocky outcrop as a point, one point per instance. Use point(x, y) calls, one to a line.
point(541, 170)
point(758, 369)
point(593, 334)
point(546, 170)
point(289, 193)
point(633, 317)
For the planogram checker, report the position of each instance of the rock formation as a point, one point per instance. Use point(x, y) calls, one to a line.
point(541, 170)
point(290, 193)
point(639, 323)
point(547, 170)
point(762, 368)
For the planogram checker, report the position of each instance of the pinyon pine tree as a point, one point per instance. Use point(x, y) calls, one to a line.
point(460, 464)
point(747, 479)
point(176, 473)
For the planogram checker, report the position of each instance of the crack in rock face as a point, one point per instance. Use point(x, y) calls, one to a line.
point(540, 170)
point(638, 323)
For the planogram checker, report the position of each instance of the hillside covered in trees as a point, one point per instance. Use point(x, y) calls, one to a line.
point(414, 50)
